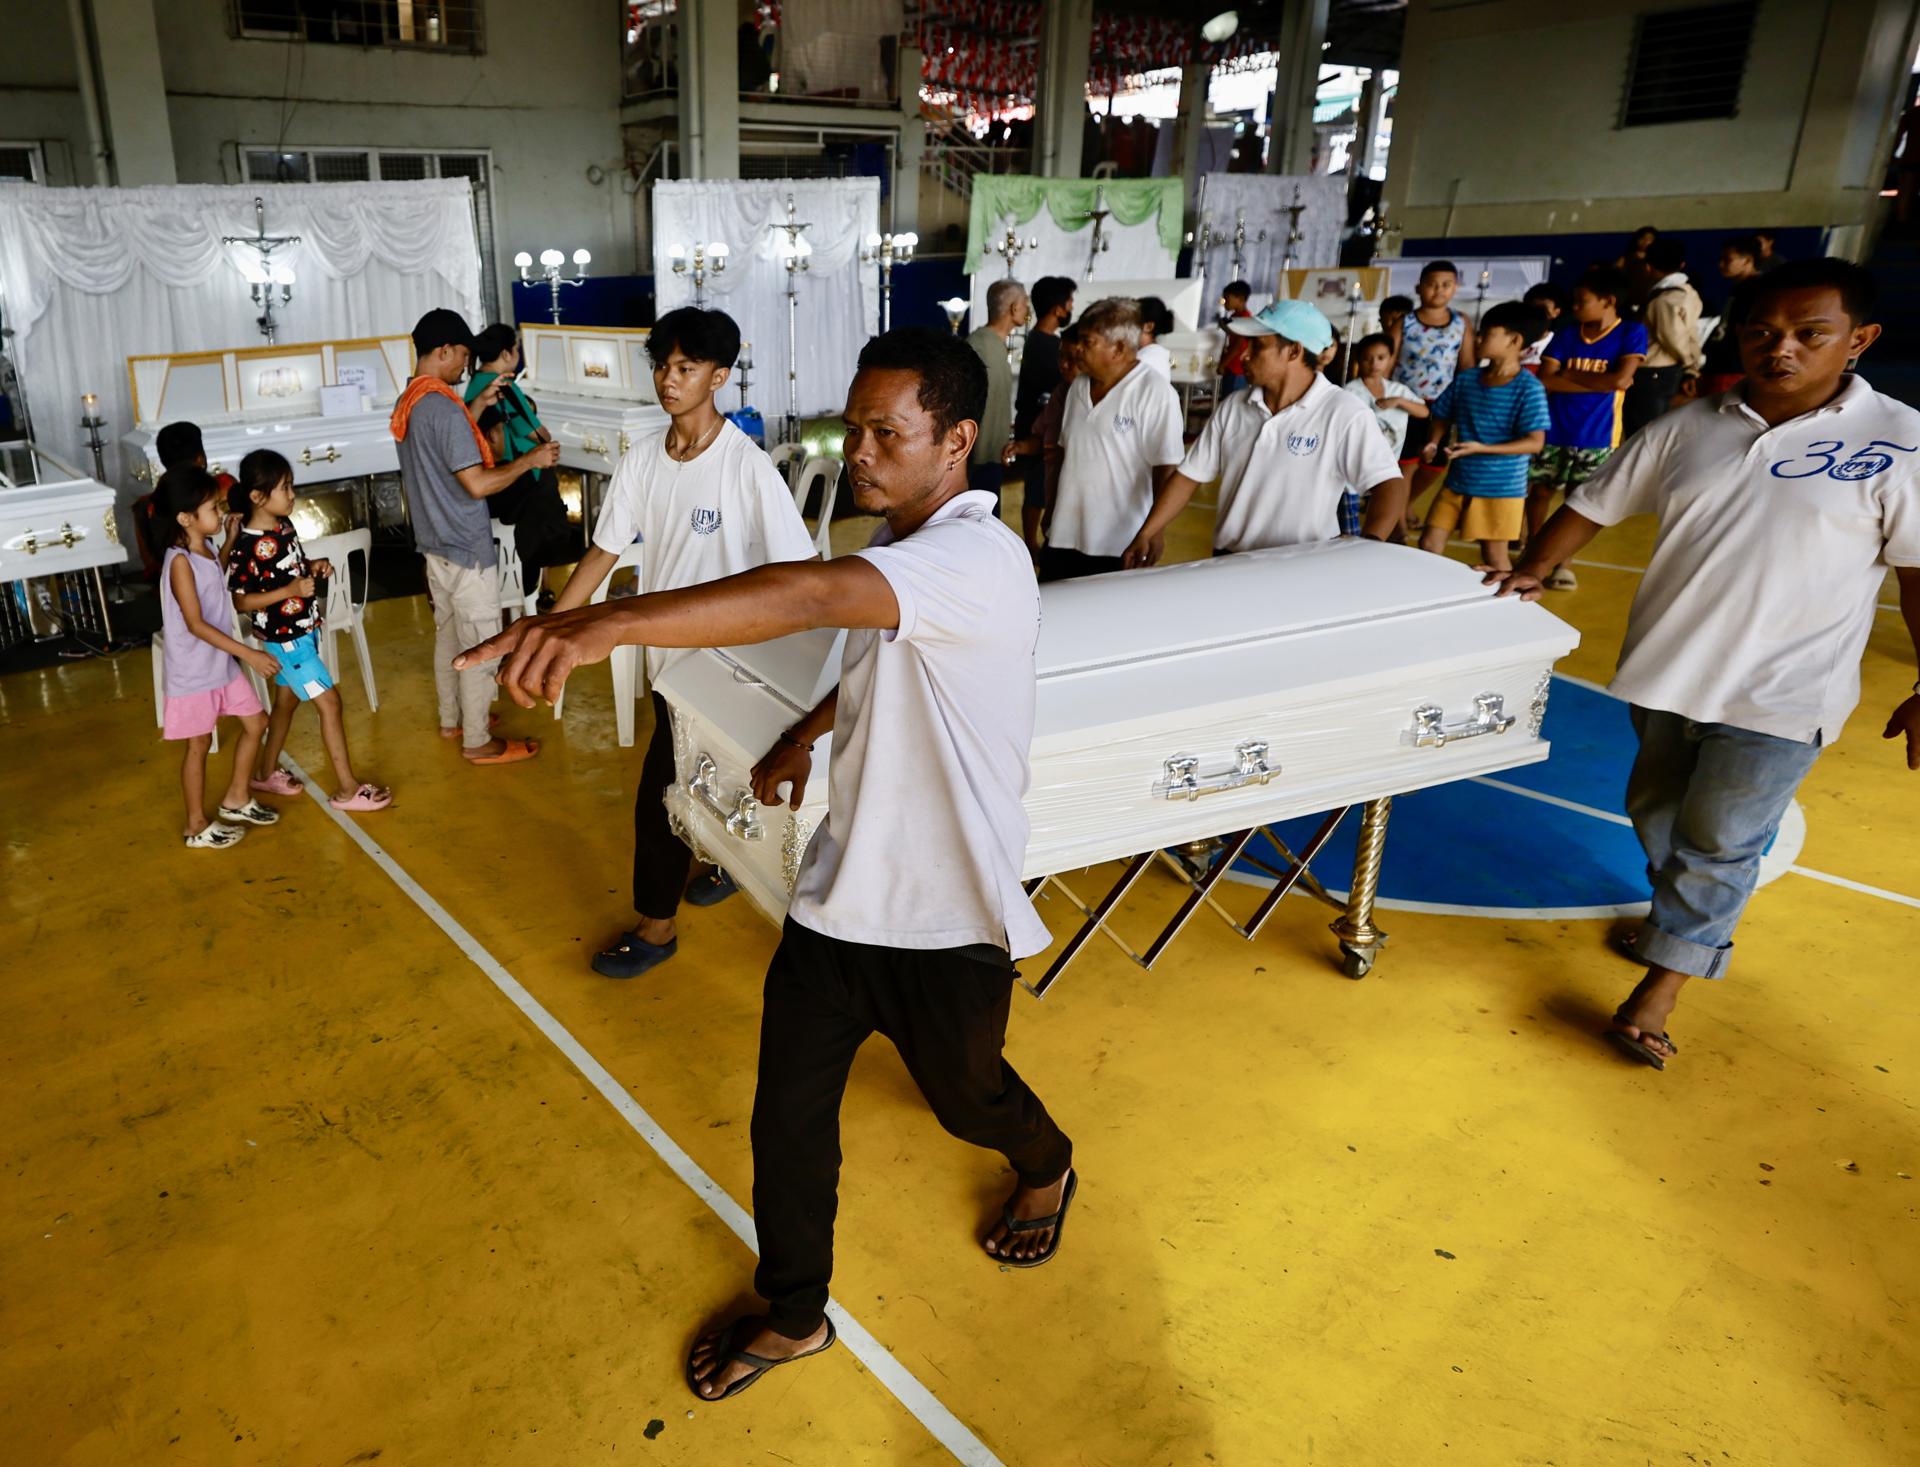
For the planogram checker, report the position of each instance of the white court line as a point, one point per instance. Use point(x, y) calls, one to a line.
point(1546, 799)
point(945, 1427)
point(1860, 886)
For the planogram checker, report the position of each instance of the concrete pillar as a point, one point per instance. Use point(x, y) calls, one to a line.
point(904, 215)
point(1303, 32)
point(1060, 110)
point(1194, 80)
point(133, 94)
point(1367, 115)
point(710, 88)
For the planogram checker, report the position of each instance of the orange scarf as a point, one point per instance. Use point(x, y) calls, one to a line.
point(420, 387)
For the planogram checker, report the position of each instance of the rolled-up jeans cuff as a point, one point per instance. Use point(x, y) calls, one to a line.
point(1660, 949)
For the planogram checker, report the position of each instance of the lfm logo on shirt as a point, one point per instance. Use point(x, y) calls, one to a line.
point(1123, 422)
point(705, 521)
point(1302, 444)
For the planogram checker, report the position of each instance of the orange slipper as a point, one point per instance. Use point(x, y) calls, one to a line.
point(493, 721)
point(516, 751)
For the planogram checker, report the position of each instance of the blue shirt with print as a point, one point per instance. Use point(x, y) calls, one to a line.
point(1592, 419)
point(1483, 413)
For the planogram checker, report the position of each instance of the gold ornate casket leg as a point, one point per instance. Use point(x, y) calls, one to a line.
point(1360, 940)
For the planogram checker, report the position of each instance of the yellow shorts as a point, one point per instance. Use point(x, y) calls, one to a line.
point(1479, 519)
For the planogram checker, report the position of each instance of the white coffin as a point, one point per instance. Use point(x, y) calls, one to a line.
point(1191, 700)
point(730, 705)
point(320, 449)
point(53, 518)
point(593, 432)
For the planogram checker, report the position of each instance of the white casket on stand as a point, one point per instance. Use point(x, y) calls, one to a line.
point(57, 529)
point(1179, 705)
point(593, 389)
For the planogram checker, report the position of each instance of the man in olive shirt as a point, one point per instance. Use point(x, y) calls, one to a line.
point(1007, 312)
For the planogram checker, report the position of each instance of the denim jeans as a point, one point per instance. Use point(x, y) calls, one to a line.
point(1706, 800)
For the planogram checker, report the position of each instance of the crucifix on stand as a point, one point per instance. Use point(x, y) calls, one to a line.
point(1293, 212)
point(1240, 242)
point(262, 274)
point(1098, 215)
point(794, 248)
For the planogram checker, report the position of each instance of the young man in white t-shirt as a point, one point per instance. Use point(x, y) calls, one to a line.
point(1781, 505)
point(1120, 438)
point(703, 501)
point(1285, 450)
point(909, 913)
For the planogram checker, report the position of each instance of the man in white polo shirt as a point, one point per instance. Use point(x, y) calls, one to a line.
point(1285, 449)
point(1120, 437)
point(702, 500)
point(909, 914)
point(1781, 505)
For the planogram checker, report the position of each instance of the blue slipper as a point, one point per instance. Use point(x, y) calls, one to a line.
point(712, 889)
point(631, 956)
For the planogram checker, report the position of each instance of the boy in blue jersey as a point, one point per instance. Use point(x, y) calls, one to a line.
point(1501, 413)
point(1586, 370)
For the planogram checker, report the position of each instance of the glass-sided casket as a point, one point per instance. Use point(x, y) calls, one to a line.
point(1175, 704)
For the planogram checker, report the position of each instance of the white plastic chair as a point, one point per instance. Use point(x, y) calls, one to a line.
point(159, 645)
point(342, 612)
point(628, 670)
point(507, 559)
point(787, 458)
point(825, 472)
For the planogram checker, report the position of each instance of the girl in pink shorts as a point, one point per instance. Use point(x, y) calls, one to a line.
point(203, 681)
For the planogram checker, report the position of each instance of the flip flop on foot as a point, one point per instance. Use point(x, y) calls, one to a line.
point(1057, 1220)
point(278, 783)
point(1637, 1043)
point(493, 722)
point(726, 1351)
point(365, 797)
point(633, 955)
point(712, 889)
point(513, 751)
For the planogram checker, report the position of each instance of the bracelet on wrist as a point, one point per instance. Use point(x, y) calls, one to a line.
point(786, 737)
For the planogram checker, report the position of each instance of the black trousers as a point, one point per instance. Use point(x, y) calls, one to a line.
point(660, 859)
point(1067, 565)
point(946, 1012)
point(1652, 390)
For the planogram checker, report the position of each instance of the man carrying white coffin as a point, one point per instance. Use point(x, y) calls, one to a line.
point(908, 915)
point(1120, 437)
point(1285, 449)
point(703, 501)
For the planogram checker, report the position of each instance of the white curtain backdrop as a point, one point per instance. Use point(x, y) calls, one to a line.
point(1135, 253)
point(90, 277)
point(838, 305)
point(1265, 199)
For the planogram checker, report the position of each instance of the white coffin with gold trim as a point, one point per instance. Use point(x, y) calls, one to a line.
point(53, 518)
point(1188, 701)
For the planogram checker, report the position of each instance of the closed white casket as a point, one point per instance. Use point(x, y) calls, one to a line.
point(1180, 703)
point(53, 518)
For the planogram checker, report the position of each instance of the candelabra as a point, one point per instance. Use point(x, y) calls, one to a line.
point(743, 368)
point(708, 259)
point(1480, 301)
point(794, 248)
point(1293, 212)
point(888, 250)
point(1011, 246)
point(1354, 297)
point(263, 273)
point(955, 308)
point(551, 264)
point(91, 420)
point(1239, 238)
point(1386, 236)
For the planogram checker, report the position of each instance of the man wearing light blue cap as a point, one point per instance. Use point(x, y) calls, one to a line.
point(1284, 450)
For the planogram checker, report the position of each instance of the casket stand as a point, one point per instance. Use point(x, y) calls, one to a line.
point(1188, 704)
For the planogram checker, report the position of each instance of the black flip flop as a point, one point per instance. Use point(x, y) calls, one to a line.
point(1639, 1050)
point(726, 1354)
point(1056, 1220)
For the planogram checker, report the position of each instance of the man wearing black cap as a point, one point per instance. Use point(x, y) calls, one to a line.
point(447, 467)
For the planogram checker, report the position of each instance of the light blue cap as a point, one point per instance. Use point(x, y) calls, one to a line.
point(1295, 320)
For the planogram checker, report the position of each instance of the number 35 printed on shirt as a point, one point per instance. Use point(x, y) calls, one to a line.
point(1824, 455)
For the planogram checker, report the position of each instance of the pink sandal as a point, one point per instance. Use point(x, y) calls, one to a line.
point(278, 783)
point(366, 797)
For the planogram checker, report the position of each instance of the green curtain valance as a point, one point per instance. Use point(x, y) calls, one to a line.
point(1070, 201)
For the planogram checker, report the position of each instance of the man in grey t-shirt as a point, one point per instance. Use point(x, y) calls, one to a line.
point(447, 470)
point(1007, 311)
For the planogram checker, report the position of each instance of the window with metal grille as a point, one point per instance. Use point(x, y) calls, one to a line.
point(22, 163)
point(438, 25)
point(1687, 65)
point(355, 165)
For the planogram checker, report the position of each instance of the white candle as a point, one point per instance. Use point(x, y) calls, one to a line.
point(89, 405)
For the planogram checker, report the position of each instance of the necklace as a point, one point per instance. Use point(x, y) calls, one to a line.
point(694, 452)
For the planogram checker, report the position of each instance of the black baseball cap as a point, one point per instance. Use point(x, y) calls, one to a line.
point(441, 327)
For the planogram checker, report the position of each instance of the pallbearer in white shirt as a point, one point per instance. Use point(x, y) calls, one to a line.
point(1781, 505)
point(703, 501)
point(1285, 449)
point(1120, 437)
point(909, 914)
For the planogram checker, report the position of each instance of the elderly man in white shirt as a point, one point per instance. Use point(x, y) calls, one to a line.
point(908, 914)
point(1285, 449)
point(1781, 505)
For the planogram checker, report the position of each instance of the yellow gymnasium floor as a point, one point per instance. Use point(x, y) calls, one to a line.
point(293, 1175)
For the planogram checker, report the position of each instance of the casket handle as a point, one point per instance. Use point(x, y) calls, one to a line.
point(741, 817)
point(1432, 731)
point(1182, 779)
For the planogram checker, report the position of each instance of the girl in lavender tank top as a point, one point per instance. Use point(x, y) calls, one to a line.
point(203, 681)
